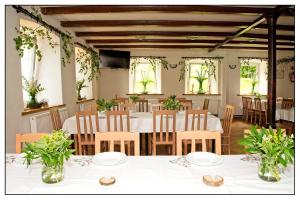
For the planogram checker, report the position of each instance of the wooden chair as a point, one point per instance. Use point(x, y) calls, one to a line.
point(257, 111)
point(120, 138)
point(287, 104)
point(198, 135)
point(163, 137)
point(27, 138)
point(85, 137)
point(157, 106)
point(180, 99)
point(279, 99)
point(161, 100)
point(118, 124)
point(249, 109)
point(121, 99)
point(226, 125)
point(142, 105)
point(244, 102)
point(198, 122)
point(205, 104)
point(55, 118)
point(128, 106)
point(186, 104)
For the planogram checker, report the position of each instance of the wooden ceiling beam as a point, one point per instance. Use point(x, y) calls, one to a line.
point(175, 34)
point(184, 41)
point(184, 47)
point(155, 8)
point(167, 23)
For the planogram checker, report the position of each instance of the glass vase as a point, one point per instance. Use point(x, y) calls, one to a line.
point(268, 171)
point(52, 174)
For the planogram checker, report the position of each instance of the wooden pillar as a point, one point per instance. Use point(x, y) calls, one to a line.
point(271, 20)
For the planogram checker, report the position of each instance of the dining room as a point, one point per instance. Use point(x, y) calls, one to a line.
point(150, 99)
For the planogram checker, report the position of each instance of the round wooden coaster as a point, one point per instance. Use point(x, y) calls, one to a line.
point(213, 181)
point(107, 180)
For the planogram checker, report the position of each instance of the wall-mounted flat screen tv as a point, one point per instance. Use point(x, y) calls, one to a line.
point(114, 59)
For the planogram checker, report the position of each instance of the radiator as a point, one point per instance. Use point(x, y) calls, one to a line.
point(42, 122)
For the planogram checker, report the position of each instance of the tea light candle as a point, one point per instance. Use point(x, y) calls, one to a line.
point(107, 180)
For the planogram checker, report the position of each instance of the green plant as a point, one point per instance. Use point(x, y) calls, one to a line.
point(68, 47)
point(153, 60)
point(274, 147)
point(79, 86)
point(28, 39)
point(201, 77)
point(32, 88)
point(53, 149)
point(145, 81)
point(89, 62)
point(171, 103)
point(250, 72)
point(103, 105)
point(134, 98)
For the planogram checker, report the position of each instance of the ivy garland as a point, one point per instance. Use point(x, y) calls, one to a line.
point(68, 47)
point(246, 60)
point(208, 61)
point(285, 60)
point(89, 62)
point(154, 61)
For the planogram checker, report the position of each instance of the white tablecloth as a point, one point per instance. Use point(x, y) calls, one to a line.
point(142, 122)
point(286, 114)
point(147, 175)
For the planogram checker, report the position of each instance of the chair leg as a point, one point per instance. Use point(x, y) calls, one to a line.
point(185, 146)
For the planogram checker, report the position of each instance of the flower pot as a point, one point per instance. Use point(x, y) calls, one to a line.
point(268, 171)
point(53, 174)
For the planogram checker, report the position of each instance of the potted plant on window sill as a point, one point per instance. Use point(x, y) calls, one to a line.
point(275, 149)
point(32, 88)
point(200, 78)
point(53, 150)
point(145, 82)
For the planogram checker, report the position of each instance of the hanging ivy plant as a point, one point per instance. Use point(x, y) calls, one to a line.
point(89, 62)
point(28, 39)
point(286, 60)
point(208, 61)
point(68, 47)
point(153, 60)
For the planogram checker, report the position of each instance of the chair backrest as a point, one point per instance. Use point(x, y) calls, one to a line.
point(84, 119)
point(196, 117)
point(118, 120)
point(198, 135)
point(205, 104)
point(128, 106)
point(157, 106)
point(279, 99)
point(257, 104)
point(27, 138)
point(185, 106)
point(186, 102)
point(92, 106)
point(143, 105)
point(227, 120)
point(180, 99)
point(249, 103)
point(244, 101)
point(55, 118)
point(121, 138)
point(121, 100)
point(166, 117)
point(287, 103)
point(161, 100)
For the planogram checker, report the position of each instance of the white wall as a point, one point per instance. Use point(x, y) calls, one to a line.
point(115, 81)
point(13, 85)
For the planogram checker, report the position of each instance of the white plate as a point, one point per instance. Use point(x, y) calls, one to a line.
point(22, 161)
point(204, 159)
point(109, 158)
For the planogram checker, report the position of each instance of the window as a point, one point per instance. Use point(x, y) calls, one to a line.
point(47, 72)
point(86, 92)
point(201, 77)
point(253, 77)
point(145, 78)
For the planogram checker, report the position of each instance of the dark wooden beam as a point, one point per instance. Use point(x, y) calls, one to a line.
point(183, 41)
point(183, 47)
point(154, 8)
point(240, 32)
point(175, 33)
point(167, 23)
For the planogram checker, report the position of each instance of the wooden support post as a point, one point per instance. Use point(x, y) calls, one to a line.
point(271, 19)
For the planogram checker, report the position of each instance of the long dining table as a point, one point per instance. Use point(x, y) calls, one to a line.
point(141, 122)
point(147, 175)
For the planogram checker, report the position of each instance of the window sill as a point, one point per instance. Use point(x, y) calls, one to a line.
point(84, 101)
point(251, 95)
point(31, 111)
point(202, 94)
point(145, 94)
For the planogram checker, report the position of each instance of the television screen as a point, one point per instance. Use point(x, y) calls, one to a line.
point(114, 59)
